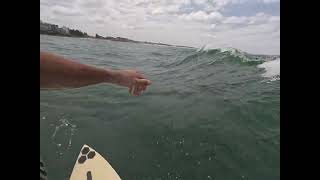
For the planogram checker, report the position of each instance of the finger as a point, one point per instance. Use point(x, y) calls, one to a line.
point(145, 82)
point(131, 89)
point(144, 88)
point(137, 74)
point(141, 76)
point(140, 88)
point(136, 91)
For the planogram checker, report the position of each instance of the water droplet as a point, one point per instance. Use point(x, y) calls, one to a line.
point(209, 158)
point(59, 145)
point(43, 117)
point(198, 162)
point(209, 177)
point(187, 154)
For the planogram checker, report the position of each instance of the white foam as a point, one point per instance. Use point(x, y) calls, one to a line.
point(272, 69)
point(222, 49)
point(230, 49)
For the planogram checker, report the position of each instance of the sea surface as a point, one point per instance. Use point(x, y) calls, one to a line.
point(209, 114)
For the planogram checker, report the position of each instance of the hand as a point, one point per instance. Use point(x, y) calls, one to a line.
point(134, 80)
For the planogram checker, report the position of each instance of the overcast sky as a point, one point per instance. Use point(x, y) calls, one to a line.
point(249, 25)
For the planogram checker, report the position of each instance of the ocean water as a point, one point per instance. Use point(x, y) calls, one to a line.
point(209, 114)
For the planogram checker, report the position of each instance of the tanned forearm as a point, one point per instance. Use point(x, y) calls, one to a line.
point(60, 72)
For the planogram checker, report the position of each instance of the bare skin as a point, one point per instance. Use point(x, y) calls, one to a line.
point(60, 72)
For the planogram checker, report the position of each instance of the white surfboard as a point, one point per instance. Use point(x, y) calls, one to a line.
point(91, 165)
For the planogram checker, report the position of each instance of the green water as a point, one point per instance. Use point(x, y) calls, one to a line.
point(208, 114)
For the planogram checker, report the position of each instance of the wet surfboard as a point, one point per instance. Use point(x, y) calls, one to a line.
point(90, 165)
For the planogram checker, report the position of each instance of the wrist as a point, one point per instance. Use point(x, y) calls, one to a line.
point(112, 76)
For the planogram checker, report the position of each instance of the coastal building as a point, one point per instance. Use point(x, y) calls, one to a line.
point(48, 28)
point(44, 26)
point(54, 27)
point(65, 30)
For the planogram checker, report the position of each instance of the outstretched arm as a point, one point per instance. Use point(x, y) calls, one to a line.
point(60, 72)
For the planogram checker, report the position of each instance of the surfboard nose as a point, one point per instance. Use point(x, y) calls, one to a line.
point(91, 165)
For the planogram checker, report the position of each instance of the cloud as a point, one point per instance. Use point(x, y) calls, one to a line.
point(236, 20)
point(201, 16)
point(158, 11)
point(65, 11)
point(220, 19)
point(200, 2)
point(168, 9)
point(271, 1)
point(92, 4)
point(212, 26)
point(274, 19)
point(186, 22)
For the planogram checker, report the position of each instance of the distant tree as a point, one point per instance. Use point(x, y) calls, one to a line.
point(77, 33)
point(98, 36)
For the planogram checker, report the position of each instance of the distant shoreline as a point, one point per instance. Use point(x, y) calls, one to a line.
point(55, 30)
point(115, 40)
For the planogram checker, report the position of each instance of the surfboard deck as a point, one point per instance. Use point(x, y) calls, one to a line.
point(90, 165)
